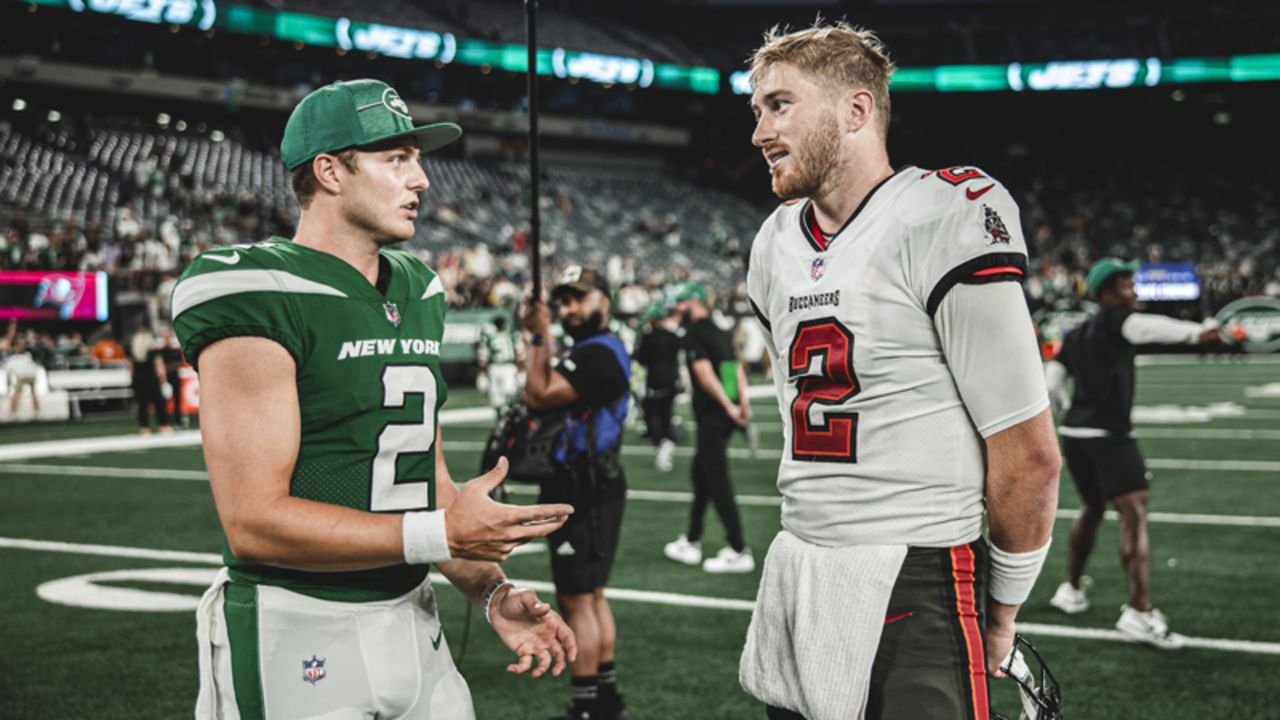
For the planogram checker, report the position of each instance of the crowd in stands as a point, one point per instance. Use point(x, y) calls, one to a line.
point(139, 205)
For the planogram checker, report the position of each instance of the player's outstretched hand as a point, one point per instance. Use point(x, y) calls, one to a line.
point(481, 529)
point(535, 633)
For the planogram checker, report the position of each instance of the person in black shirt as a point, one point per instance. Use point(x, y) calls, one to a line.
point(720, 407)
point(1098, 445)
point(659, 353)
point(591, 386)
point(147, 365)
point(171, 355)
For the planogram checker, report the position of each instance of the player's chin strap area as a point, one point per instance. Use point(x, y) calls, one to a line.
point(1039, 702)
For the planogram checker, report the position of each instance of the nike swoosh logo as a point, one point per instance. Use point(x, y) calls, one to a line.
point(975, 194)
point(231, 259)
point(435, 644)
point(896, 618)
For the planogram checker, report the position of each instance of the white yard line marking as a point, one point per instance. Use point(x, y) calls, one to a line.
point(672, 496)
point(1245, 646)
point(148, 554)
point(1206, 433)
point(644, 596)
point(1191, 518)
point(111, 472)
point(110, 551)
point(1233, 363)
point(1264, 466)
point(109, 443)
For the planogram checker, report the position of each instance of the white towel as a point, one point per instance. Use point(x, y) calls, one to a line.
point(816, 626)
point(206, 627)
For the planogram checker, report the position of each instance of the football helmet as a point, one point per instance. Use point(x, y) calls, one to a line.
point(1039, 692)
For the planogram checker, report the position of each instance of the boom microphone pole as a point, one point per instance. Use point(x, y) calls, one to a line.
point(535, 225)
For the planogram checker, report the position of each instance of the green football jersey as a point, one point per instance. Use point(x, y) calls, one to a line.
point(368, 377)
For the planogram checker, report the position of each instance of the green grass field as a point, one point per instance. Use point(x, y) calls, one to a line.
point(1215, 492)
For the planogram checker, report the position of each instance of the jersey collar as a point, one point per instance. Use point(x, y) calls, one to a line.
point(819, 240)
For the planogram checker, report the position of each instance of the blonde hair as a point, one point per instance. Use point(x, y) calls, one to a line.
point(839, 57)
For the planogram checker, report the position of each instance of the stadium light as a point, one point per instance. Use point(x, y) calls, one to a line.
point(180, 126)
point(217, 136)
point(163, 119)
point(19, 104)
point(54, 116)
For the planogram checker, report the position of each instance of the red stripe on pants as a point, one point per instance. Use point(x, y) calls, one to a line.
point(962, 569)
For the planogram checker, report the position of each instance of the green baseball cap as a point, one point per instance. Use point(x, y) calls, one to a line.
point(353, 113)
point(691, 291)
point(658, 310)
point(1105, 268)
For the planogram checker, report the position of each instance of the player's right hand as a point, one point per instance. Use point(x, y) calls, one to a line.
point(479, 528)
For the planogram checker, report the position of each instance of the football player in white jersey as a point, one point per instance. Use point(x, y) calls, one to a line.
point(910, 385)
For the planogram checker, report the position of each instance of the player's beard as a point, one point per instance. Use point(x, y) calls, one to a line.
point(813, 161)
point(593, 324)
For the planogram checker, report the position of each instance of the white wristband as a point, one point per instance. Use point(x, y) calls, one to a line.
point(488, 597)
point(425, 540)
point(1014, 574)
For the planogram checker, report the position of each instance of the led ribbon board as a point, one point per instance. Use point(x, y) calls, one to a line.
point(401, 42)
point(1072, 74)
point(426, 44)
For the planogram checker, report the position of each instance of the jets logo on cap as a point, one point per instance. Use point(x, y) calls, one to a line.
point(572, 274)
point(391, 101)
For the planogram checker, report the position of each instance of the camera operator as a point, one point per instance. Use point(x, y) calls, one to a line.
point(591, 386)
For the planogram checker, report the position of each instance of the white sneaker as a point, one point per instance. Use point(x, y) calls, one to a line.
point(683, 551)
point(729, 560)
point(666, 449)
point(1151, 628)
point(1070, 600)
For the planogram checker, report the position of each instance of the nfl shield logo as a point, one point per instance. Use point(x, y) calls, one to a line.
point(313, 670)
point(818, 267)
point(393, 313)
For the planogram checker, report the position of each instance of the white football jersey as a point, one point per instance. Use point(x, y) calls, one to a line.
point(880, 447)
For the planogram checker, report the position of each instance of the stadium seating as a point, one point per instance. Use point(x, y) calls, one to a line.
point(590, 214)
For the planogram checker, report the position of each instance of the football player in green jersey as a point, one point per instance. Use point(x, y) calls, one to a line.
point(320, 390)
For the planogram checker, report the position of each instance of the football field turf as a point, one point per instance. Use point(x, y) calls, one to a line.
point(1211, 434)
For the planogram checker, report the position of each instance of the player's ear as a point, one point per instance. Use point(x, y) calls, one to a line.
point(857, 108)
point(325, 167)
